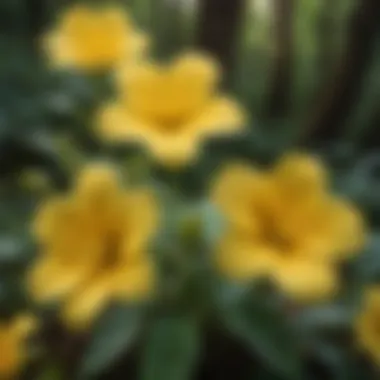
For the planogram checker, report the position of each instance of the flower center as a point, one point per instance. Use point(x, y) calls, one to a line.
point(110, 256)
point(273, 234)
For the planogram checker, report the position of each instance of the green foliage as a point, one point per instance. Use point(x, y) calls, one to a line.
point(258, 320)
point(46, 123)
point(171, 349)
point(114, 334)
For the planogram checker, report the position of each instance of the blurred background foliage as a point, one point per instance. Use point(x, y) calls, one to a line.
point(309, 73)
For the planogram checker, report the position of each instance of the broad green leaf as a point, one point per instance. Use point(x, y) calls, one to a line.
point(114, 334)
point(262, 326)
point(171, 350)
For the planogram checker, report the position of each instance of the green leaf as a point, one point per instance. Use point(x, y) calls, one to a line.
point(260, 324)
point(171, 350)
point(114, 334)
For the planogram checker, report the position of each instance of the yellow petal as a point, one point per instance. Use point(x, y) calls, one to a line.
point(142, 88)
point(74, 17)
point(83, 307)
point(169, 148)
point(347, 227)
point(368, 338)
point(200, 67)
point(305, 280)
point(221, 116)
point(98, 187)
point(300, 175)
point(137, 46)
point(372, 297)
point(242, 260)
point(12, 356)
point(13, 344)
point(336, 233)
point(143, 221)
point(173, 150)
point(115, 124)
point(47, 218)
point(134, 283)
point(233, 192)
point(49, 280)
point(92, 38)
point(58, 50)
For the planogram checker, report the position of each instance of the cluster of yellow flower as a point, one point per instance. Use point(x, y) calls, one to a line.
point(283, 223)
point(169, 108)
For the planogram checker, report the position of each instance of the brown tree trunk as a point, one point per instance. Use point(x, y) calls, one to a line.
point(218, 30)
point(340, 93)
point(278, 97)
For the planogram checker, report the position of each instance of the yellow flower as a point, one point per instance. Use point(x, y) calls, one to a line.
point(13, 335)
point(171, 108)
point(92, 38)
point(94, 245)
point(284, 223)
point(367, 324)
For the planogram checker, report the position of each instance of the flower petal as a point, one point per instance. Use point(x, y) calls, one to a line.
point(243, 260)
point(134, 283)
point(58, 50)
point(201, 68)
point(336, 233)
point(300, 175)
point(367, 333)
point(143, 221)
point(305, 280)
point(233, 192)
point(49, 280)
point(83, 307)
point(221, 116)
point(173, 150)
point(115, 124)
point(48, 217)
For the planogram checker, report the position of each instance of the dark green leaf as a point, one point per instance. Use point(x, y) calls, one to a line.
point(260, 323)
point(171, 350)
point(113, 335)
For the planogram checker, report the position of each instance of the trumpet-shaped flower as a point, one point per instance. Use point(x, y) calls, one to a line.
point(367, 324)
point(13, 348)
point(171, 108)
point(94, 246)
point(90, 38)
point(285, 224)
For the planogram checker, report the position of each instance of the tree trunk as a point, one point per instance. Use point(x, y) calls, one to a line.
point(327, 37)
point(341, 92)
point(278, 97)
point(218, 30)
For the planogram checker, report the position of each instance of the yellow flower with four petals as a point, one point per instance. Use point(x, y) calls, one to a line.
point(94, 246)
point(284, 223)
point(171, 108)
